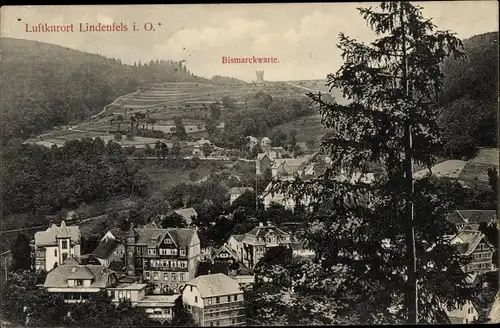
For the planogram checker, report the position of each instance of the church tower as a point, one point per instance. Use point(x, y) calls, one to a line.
point(130, 251)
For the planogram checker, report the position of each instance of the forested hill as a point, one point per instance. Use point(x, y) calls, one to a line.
point(44, 85)
point(470, 95)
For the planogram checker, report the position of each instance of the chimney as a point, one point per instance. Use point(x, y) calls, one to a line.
point(269, 224)
point(261, 224)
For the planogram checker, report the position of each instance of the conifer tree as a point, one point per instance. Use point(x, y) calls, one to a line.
point(385, 237)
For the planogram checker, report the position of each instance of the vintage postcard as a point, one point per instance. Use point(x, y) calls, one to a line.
point(249, 164)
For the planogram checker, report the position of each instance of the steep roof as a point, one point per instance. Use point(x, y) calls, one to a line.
point(105, 249)
point(238, 237)
point(455, 218)
point(269, 155)
point(59, 276)
point(457, 316)
point(119, 234)
point(299, 245)
point(49, 236)
point(467, 240)
point(187, 214)
point(239, 190)
point(153, 237)
point(472, 216)
point(262, 231)
point(217, 284)
point(228, 249)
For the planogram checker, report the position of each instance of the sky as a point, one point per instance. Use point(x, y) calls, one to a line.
point(303, 37)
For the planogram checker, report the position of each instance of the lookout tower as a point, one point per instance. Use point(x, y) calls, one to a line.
point(260, 76)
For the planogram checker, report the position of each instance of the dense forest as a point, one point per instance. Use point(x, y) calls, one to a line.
point(470, 97)
point(45, 180)
point(260, 113)
point(44, 85)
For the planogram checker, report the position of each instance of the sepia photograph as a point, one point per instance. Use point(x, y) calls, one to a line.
point(264, 164)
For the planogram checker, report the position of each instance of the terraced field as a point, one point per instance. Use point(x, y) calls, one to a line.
point(171, 96)
point(165, 101)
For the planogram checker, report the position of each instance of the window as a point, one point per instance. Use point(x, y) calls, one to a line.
point(168, 241)
point(55, 252)
point(183, 252)
point(182, 264)
point(211, 324)
point(191, 289)
point(173, 264)
point(163, 251)
point(165, 276)
point(64, 256)
point(217, 323)
point(146, 274)
point(151, 251)
point(217, 300)
point(182, 277)
point(155, 276)
point(209, 301)
point(120, 294)
point(64, 244)
point(174, 276)
point(235, 297)
point(128, 294)
point(79, 282)
point(196, 299)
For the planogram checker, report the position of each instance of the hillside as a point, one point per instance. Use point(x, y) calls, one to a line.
point(470, 97)
point(45, 85)
point(469, 101)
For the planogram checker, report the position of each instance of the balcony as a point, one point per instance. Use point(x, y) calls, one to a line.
point(160, 316)
point(224, 306)
point(214, 318)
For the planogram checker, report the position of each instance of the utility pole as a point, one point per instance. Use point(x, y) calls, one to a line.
point(412, 297)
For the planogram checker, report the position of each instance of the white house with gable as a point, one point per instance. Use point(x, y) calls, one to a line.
point(55, 245)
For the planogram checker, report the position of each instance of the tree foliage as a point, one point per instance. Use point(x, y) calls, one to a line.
point(21, 253)
point(470, 95)
point(85, 170)
point(49, 309)
point(261, 113)
point(386, 236)
point(60, 85)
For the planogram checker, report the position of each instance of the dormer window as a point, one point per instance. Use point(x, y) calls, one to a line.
point(79, 282)
point(64, 244)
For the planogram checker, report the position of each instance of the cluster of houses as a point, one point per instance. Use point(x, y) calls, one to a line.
point(152, 267)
